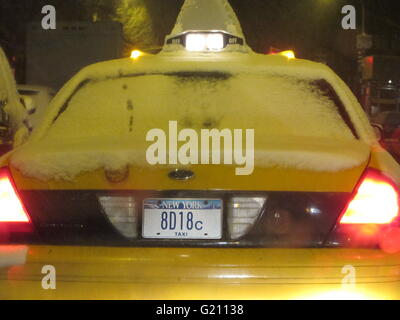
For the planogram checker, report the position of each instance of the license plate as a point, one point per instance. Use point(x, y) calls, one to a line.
point(182, 218)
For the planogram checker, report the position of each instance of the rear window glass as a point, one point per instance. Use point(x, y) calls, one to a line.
point(273, 105)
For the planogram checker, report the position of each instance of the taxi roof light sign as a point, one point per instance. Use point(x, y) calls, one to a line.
point(206, 26)
point(205, 40)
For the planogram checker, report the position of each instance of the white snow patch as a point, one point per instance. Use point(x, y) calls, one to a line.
point(207, 15)
point(68, 160)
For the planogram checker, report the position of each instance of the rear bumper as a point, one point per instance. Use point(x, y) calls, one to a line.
point(187, 273)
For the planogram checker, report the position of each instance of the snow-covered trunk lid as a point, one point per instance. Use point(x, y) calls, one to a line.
point(206, 177)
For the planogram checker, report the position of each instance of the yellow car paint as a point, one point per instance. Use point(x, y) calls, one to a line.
point(188, 273)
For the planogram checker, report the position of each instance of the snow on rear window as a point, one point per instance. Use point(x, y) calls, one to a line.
point(130, 106)
point(297, 123)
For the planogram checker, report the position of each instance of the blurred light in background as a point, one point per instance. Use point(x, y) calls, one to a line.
point(135, 54)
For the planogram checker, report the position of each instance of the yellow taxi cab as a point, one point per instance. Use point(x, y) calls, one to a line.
point(206, 171)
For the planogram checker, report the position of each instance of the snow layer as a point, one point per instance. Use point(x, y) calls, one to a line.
point(272, 105)
point(106, 121)
point(207, 15)
point(64, 161)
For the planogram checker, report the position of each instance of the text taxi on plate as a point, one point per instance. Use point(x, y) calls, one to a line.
point(204, 171)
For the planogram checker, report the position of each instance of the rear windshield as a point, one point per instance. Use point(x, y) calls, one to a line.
point(273, 105)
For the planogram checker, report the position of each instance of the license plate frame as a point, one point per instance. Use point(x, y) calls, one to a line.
point(206, 216)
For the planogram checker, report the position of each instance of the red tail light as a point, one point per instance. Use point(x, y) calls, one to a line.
point(11, 207)
point(376, 201)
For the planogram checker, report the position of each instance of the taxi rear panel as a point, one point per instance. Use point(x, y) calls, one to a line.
point(157, 273)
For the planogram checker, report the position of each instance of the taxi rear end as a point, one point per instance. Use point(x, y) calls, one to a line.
point(273, 244)
point(197, 231)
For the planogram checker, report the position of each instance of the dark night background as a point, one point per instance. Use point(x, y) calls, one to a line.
point(312, 28)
